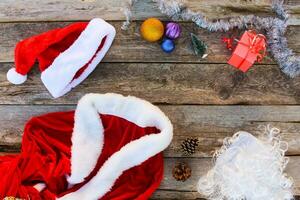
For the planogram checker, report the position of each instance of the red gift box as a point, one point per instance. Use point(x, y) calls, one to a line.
point(250, 48)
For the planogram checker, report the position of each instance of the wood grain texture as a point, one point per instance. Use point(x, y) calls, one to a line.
point(48, 10)
point(210, 124)
point(166, 83)
point(172, 189)
point(208, 87)
point(128, 46)
point(199, 167)
point(171, 194)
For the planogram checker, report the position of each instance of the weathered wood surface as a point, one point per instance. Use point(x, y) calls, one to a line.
point(210, 124)
point(182, 195)
point(135, 67)
point(128, 46)
point(172, 189)
point(166, 83)
point(200, 166)
point(171, 194)
point(48, 10)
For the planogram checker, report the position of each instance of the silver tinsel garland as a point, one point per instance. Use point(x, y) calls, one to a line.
point(275, 28)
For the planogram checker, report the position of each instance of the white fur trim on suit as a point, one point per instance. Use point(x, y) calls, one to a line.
point(14, 77)
point(87, 141)
point(39, 186)
point(58, 77)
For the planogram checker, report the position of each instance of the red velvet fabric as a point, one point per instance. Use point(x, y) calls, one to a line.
point(45, 47)
point(45, 157)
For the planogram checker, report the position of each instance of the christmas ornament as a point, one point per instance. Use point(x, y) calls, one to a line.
point(249, 168)
point(66, 55)
point(181, 172)
point(275, 28)
point(228, 42)
point(250, 48)
point(173, 30)
point(199, 46)
point(152, 30)
point(189, 145)
point(167, 45)
point(94, 152)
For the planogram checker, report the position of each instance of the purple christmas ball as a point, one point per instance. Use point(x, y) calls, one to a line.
point(173, 30)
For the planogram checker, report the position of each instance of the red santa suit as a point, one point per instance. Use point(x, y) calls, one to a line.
point(109, 148)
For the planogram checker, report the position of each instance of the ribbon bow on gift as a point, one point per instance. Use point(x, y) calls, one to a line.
point(257, 44)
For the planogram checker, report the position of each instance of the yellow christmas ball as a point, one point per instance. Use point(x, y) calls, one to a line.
point(152, 29)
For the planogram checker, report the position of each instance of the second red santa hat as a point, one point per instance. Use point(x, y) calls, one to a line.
point(66, 55)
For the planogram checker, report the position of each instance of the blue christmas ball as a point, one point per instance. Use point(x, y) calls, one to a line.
point(167, 45)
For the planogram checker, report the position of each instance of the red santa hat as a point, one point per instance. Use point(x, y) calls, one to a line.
point(66, 56)
point(108, 149)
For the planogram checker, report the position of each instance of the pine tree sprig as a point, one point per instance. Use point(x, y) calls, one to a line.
point(199, 46)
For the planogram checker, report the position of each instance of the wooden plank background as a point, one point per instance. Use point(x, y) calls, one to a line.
point(204, 98)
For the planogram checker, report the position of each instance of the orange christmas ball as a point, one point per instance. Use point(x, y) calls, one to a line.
point(152, 29)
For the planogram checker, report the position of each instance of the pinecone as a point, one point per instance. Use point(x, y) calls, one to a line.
point(181, 172)
point(189, 145)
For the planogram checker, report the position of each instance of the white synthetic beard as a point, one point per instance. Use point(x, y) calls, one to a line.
point(249, 168)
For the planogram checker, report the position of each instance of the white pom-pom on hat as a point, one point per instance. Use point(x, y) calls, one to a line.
point(14, 77)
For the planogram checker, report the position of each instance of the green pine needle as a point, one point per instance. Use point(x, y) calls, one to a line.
point(199, 46)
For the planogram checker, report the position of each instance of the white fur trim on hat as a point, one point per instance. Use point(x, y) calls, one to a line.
point(87, 141)
point(58, 77)
point(14, 77)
